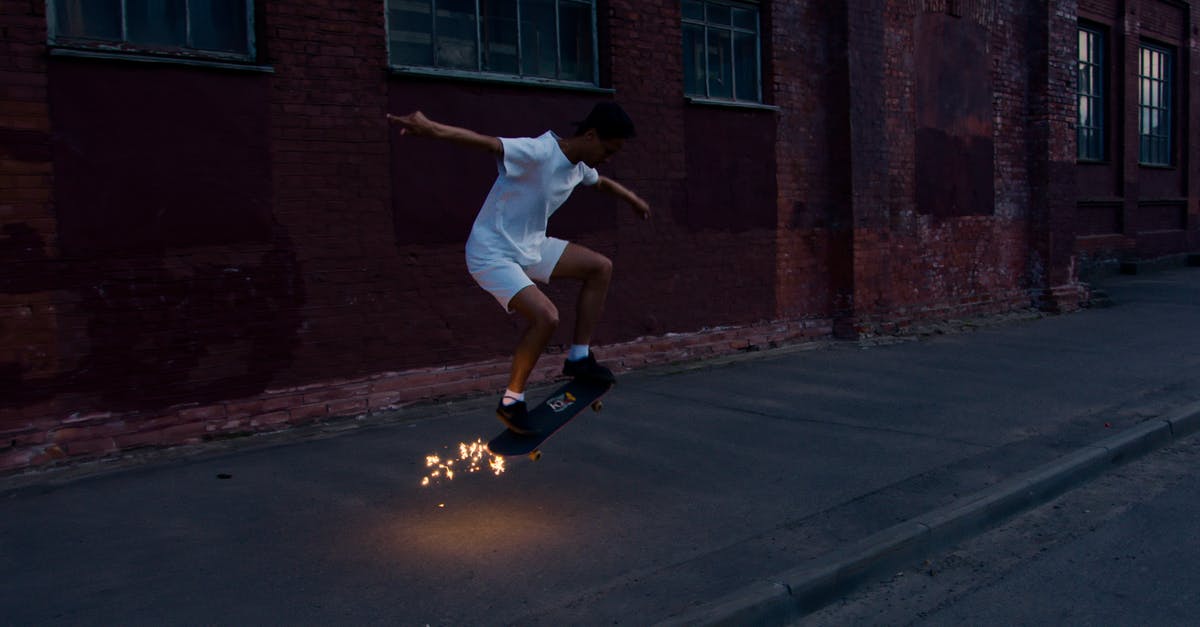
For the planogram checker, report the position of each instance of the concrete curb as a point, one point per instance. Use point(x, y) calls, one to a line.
point(791, 594)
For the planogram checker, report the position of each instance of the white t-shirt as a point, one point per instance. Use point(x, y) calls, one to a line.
point(535, 180)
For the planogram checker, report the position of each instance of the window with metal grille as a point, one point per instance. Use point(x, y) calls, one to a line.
point(208, 28)
point(1154, 105)
point(551, 40)
point(721, 51)
point(1090, 132)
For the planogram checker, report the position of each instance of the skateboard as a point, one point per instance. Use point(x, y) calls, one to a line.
point(548, 417)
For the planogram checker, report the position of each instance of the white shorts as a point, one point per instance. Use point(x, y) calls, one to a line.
point(503, 278)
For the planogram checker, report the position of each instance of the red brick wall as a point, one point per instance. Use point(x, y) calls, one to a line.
point(812, 156)
point(916, 260)
point(208, 252)
point(29, 351)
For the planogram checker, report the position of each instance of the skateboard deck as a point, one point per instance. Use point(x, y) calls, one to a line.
point(549, 416)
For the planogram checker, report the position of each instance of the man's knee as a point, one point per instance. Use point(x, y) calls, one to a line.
point(603, 268)
point(535, 307)
point(546, 316)
point(540, 311)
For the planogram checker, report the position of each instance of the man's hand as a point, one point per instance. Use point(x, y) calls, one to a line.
point(417, 124)
point(414, 123)
point(640, 206)
point(620, 191)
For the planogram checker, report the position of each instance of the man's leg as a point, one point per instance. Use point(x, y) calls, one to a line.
point(542, 316)
point(595, 271)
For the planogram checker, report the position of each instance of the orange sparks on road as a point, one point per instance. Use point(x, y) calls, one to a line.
point(472, 457)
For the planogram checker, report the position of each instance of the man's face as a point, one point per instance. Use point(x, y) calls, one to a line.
point(598, 150)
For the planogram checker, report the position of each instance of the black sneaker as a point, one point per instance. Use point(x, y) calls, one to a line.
point(515, 417)
point(588, 369)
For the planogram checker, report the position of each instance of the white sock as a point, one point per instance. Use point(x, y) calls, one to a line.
point(512, 398)
point(578, 351)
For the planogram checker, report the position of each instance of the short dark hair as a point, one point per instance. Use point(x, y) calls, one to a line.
point(609, 121)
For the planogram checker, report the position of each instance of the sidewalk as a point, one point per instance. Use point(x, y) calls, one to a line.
point(694, 495)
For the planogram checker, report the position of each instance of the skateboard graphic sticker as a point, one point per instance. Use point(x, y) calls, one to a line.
point(561, 402)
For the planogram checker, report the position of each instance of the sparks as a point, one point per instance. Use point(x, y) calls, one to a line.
point(472, 457)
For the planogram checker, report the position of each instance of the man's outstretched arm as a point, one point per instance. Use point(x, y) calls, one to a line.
point(622, 192)
point(416, 123)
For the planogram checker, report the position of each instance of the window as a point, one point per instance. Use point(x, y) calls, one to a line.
point(721, 58)
point(534, 39)
point(1090, 133)
point(210, 28)
point(1154, 105)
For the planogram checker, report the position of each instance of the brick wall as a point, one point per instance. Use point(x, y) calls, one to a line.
point(208, 252)
point(929, 253)
point(28, 233)
point(812, 156)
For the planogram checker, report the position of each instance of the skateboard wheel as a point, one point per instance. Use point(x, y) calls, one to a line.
point(536, 455)
point(597, 406)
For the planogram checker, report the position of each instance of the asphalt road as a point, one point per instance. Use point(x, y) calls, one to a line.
point(691, 485)
point(1121, 550)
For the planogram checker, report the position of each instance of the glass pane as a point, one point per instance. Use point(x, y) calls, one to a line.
point(745, 18)
point(693, 60)
point(539, 43)
point(1085, 112)
point(575, 29)
point(718, 14)
point(156, 22)
point(456, 35)
point(693, 10)
point(1085, 80)
point(219, 25)
point(720, 64)
point(499, 35)
point(745, 55)
point(1084, 49)
point(411, 37)
point(96, 19)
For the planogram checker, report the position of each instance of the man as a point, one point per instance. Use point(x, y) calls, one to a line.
point(508, 248)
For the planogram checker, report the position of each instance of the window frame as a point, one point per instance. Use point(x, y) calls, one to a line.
point(1097, 96)
point(112, 48)
point(481, 74)
point(704, 24)
point(1153, 146)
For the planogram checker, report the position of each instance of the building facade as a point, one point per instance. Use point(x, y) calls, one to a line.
point(207, 227)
